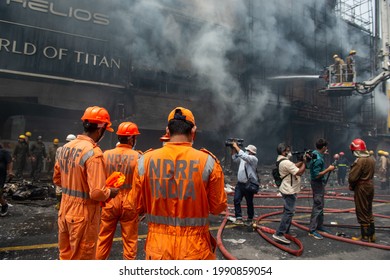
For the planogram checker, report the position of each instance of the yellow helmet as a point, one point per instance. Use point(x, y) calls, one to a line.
point(352, 52)
point(28, 134)
point(56, 141)
point(22, 136)
point(380, 152)
point(386, 154)
point(335, 56)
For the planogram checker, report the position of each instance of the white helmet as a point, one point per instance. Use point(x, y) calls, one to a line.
point(70, 137)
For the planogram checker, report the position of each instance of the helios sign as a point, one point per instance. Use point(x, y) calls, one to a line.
point(61, 38)
point(68, 11)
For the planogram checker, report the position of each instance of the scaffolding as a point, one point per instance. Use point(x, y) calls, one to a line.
point(358, 13)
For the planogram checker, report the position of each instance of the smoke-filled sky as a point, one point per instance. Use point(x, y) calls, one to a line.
point(208, 38)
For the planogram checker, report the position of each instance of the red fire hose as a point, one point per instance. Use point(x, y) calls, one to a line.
point(265, 231)
point(262, 229)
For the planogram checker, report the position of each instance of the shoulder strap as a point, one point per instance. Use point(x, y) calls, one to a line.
point(279, 161)
point(277, 164)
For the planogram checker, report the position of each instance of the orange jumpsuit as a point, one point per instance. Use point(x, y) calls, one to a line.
point(177, 187)
point(80, 171)
point(122, 159)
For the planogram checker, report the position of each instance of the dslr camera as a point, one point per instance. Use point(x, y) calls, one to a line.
point(306, 153)
point(229, 142)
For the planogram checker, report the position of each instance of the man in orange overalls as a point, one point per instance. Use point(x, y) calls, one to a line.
point(80, 171)
point(122, 158)
point(177, 187)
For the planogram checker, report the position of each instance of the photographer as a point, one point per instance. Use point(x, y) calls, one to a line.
point(291, 172)
point(318, 182)
point(246, 172)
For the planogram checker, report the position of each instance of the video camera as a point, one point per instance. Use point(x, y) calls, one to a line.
point(306, 153)
point(229, 142)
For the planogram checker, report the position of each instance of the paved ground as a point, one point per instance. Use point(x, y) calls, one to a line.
point(29, 232)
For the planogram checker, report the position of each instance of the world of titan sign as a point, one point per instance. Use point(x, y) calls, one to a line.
point(52, 52)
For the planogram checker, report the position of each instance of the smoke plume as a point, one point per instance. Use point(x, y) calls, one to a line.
point(222, 41)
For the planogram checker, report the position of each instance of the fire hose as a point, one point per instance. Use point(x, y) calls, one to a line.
point(263, 231)
point(220, 245)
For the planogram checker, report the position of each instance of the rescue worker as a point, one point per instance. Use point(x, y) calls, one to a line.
point(350, 66)
point(38, 154)
point(51, 159)
point(5, 169)
point(177, 187)
point(27, 138)
point(383, 168)
point(338, 68)
point(69, 138)
point(20, 155)
point(80, 172)
point(361, 183)
point(122, 158)
point(342, 165)
point(333, 175)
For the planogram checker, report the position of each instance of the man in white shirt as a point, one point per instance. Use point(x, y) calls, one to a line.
point(291, 185)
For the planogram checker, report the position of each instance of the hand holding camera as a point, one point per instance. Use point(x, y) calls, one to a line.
point(229, 142)
point(306, 155)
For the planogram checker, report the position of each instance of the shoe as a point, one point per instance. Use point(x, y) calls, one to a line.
point(316, 235)
point(249, 222)
point(324, 230)
point(239, 221)
point(292, 234)
point(281, 238)
point(4, 210)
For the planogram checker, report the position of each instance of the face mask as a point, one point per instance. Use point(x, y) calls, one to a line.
point(289, 155)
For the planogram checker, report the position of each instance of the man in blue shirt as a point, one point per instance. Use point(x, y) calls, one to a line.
point(318, 182)
point(246, 172)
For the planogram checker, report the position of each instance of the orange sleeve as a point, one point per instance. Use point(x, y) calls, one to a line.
point(135, 196)
point(96, 177)
point(57, 175)
point(216, 191)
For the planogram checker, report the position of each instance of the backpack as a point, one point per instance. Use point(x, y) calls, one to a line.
point(275, 173)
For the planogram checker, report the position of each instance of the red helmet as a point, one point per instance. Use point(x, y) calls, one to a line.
point(127, 129)
point(358, 145)
point(97, 115)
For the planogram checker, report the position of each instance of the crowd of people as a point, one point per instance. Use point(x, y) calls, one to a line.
point(33, 157)
point(360, 181)
point(176, 187)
